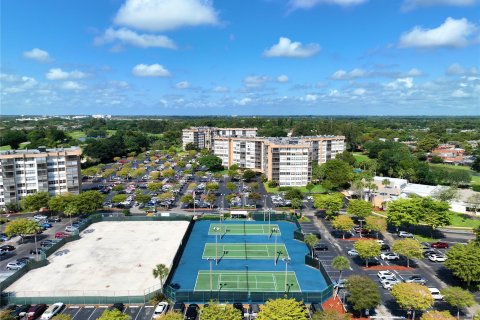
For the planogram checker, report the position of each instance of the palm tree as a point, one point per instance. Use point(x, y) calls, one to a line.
point(311, 241)
point(340, 263)
point(160, 272)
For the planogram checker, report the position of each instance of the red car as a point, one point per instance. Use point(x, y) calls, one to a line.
point(439, 245)
point(36, 311)
point(61, 235)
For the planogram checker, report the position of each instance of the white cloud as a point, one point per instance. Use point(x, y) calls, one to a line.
point(182, 85)
point(161, 15)
point(334, 93)
point(38, 55)
point(12, 83)
point(72, 85)
point(220, 89)
point(130, 37)
point(59, 74)
point(311, 97)
point(286, 48)
point(243, 101)
point(153, 70)
point(359, 91)
point(456, 69)
point(255, 81)
point(346, 75)
point(401, 83)
point(452, 33)
point(414, 73)
point(282, 78)
point(412, 4)
point(308, 4)
point(459, 93)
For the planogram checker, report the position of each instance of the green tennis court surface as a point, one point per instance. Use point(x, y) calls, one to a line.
point(240, 229)
point(259, 251)
point(256, 281)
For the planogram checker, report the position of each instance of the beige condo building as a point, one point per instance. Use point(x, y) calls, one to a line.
point(202, 137)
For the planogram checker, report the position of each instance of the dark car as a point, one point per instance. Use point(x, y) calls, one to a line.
point(192, 312)
point(24, 259)
point(20, 311)
point(428, 253)
point(119, 306)
point(179, 307)
point(7, 248)
point(47, 243)
point(439, 245)
point(372, 262)
point(318, 235)
point(238, 306)
point(54, 219)
point(385, 247)
point(38, 250)
point(36, 311)
point(321, 247)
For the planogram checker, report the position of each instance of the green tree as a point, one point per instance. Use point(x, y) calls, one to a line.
point(340, 263)
point(212, 186)
point(464, 262)
point(435, 213)
point(161, 272)
point(23, 227)
point(59, 203)
point(293, 194)
point(118, 188)
point(476, 231)
point(168, 173)
point(311, 241)
point(119, 198)
point(114, 315)
point(359, 208)
point(347, 157)
point(309, 187)
point(409, 248)
point(330, 315)
point(446, 194)
point(296, 204)
point(437, 315)
point(88, 201)
point(343, 223)
point(363, 291)
point(210, 198)
point(173, 316)
point(231, 186)
point(458, 298)
point(376, 224)
point(331, 203)
point(367, 249)
point(187, 199)
point(404, 212)
point(6, 315)
point(412, 296)
point(283, 309)
point(255, 196)
point(337, 172)
point(141, 197)
point(215, 311)
point(248, 174)
point(211, 162)
point(427, 144)
point(35, 201)
point(154, 186)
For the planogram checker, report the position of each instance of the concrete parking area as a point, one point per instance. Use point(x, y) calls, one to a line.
point(91, 312)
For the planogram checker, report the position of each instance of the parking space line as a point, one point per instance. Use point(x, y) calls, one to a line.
point(138, 313)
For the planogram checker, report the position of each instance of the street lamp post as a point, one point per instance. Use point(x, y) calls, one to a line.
point(216, 244)
point(210, 260)
point(269, 210)
point(264, 205)
point(275, 230)
point(287, 260)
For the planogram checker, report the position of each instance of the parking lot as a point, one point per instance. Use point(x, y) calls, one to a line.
point(136, 312)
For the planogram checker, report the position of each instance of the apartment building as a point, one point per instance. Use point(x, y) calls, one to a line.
point(285, 160)
point(24, 172)
point(202, 137)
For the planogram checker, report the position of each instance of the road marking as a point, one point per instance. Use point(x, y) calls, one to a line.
point(139, 311)
point(134, 306)
point(88, 307)
point(91, 315)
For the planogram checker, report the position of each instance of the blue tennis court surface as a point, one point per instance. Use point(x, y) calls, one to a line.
point(192, 264)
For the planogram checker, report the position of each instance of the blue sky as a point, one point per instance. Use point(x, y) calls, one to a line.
point(233, 57)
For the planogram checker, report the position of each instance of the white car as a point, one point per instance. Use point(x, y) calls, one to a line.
point(388, 284)
point(404, 234)
point(389, 256)
point(437, 258)
point(15, 265)
point(52, 311)
point(353, 253)
point(70, 229)
point(435, 293)
point(381, 274)
point(40, 217)
point(380, 242)
point(160, 310)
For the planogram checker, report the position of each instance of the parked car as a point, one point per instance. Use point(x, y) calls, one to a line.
point(372, 262)
point(39, 217)
point(15, 265)
point(384, 273)
point(37, 251)
point(390, 256)
point(238, 306)
point(46, 225)
point(7, 248)
point(253, 310)
point(52, 311)
point(3, 252)
point(353, 253)
point(61, 235)
point(385, 247)
point(47, 243)
point(179, 307)
point(192, 312)
point(439, 245)
point(4, 237)
point(71, 229)
point(118, 306)
point(427, 253)
point(321, 247)
point(437, 258)
point(24, 259)
point(20, 311)
point(404, 234)
point(435, 293)
point(160, 309)
point(35, 311)
point(54, 219)
point(388, 284)
point(416, 279)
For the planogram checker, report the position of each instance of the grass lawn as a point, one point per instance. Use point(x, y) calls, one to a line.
point(77, 134)
point(462, 220)
point(425, 239)
point(452, 167)
point(156, 135)
point(24, 145)
point(317, 189)
point(7, 147)
point(475, 179)
point(360, 157)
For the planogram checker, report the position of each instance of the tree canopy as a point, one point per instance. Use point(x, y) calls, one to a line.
point(359, 208)
point(211, 162)
point(364, 293)
point(464, 261)
point(331, 203)
point(409, 248)
point(215, 311)
point(367, 249)
point(283, 309)
point(35, 201)
point(412, 296)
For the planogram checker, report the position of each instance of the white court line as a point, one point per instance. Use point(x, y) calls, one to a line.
point(274, 282)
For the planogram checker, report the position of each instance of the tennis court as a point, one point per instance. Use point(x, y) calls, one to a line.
point(241, 229)
point(252, 281)
point(263, 251)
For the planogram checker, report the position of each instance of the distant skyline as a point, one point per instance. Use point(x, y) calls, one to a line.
point(232, 57)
